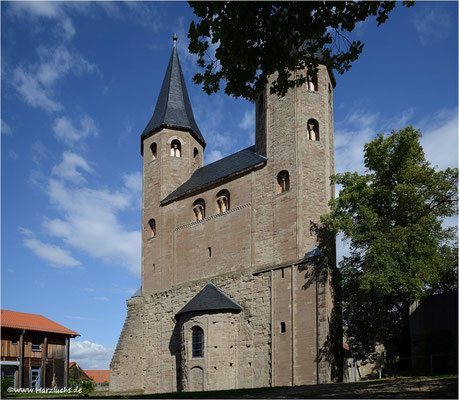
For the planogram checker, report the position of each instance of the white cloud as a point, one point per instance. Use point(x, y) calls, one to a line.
point(77, 317)
point(39, 152)
point(351, 134)
point(59, 11)
point(143, 13)
point(431, 24)
point(133, 182)
point(68, 28)
point(6, 129)
point(439, 140)
point(25, 231)
point(67, 132)
point(13, 154)
point(35, 83)
point(212, 156)
point(90, 355)
point(35, 9)
point(32, 92)
point(54, 255)
point(101, 298)
point(68, 168)
point(90, 223)
point(248, 122)
point(439, 136)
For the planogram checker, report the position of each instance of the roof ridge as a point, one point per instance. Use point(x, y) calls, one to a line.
point(229, 166)
point(229, 155)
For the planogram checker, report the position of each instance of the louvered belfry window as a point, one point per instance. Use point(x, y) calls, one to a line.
point(197, 342)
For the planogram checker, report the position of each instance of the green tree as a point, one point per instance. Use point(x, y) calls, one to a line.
point(399, 250)
point(256, 39)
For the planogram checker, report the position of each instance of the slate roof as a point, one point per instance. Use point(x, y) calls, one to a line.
point(210, 299)
point(33, 322)
point(211, 173)
point(314, 252)
point(173, 107)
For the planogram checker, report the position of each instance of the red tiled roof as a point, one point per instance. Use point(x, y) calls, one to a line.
point(98, 376)
point(74, 364)
point(33, 322)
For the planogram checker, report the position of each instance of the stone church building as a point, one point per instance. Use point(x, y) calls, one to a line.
point(236, 282)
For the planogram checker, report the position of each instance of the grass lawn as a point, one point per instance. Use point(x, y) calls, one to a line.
point(400, 387)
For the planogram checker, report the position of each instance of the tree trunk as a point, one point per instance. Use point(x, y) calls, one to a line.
point(405, 340)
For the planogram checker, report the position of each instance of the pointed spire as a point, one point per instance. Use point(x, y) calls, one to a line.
point(173, 108)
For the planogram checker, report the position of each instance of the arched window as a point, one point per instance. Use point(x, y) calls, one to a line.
point(195, 158)
point(197, 342)
point(199, 209)
point(152, 224)
point(176, 148)
point(154, 151)
point(313, 129)
point(223, 201)
point(283, 182)
point(312, 83)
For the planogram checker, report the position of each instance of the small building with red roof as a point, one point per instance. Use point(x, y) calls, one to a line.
point(99, 376)
point(34, 350)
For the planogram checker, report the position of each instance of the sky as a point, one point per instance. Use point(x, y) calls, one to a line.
point(80, 83)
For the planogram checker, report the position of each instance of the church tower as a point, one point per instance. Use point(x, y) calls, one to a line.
point(295, 133)
point(172, 147)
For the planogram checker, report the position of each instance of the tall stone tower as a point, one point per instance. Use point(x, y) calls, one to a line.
point(237, 287)
point(172, 147)
point(295, 133)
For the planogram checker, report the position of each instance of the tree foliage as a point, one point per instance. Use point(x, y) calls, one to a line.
point(256, 39)
point(399, 250)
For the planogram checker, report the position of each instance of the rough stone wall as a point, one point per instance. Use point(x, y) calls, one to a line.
point(127, 365)
point(151, 338)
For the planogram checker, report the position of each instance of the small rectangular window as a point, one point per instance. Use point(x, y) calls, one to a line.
point(283, 328)
point(14, 340)
point(36, 344)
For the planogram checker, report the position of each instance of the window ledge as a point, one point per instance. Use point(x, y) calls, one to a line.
point(283, 193)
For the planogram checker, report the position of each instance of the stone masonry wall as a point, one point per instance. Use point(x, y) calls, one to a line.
point(154, 352)
point(126, 368)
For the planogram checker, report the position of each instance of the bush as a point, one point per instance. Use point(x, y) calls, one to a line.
point(87, 386)
point(6, 383)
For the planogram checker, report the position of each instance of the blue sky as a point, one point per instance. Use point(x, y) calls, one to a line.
point(79, 84)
